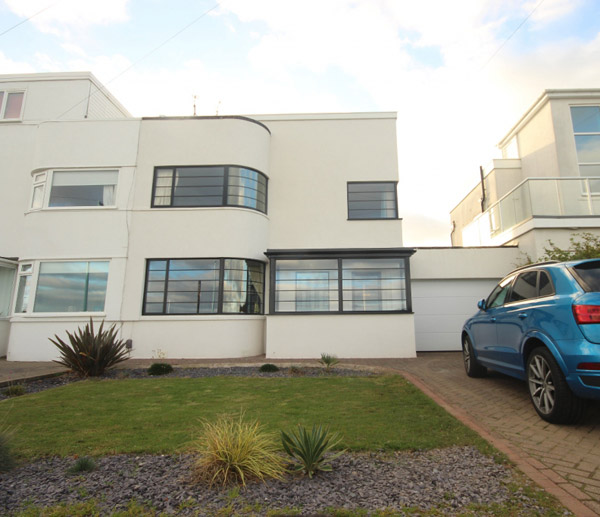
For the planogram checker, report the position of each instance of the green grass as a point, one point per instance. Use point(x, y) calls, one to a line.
point(98, 417)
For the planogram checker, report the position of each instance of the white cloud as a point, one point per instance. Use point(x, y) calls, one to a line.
point(8, 66)
point(63, 16)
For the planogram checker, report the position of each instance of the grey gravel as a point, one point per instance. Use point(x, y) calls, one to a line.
point(453, 477)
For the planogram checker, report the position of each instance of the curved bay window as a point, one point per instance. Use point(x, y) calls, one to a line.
point(205, 186)
point(204, 286)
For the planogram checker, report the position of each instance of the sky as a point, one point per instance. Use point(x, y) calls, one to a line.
point(458, 73)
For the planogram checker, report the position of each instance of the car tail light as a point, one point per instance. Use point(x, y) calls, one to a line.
point(585, 314)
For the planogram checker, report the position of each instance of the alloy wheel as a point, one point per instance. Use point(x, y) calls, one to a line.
point(541, 384)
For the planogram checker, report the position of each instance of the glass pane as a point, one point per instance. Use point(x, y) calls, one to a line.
point(525, 287)
point(372, 201)
point(588, 148)
point(586, 119)
point(14, 102)
point(243, 286)
point(83, 188)
point(306, 286)
point(23, 294)
point(545, 285)
point(7, 276)
point(374, 284)
point(71, 287)
point(38, 196)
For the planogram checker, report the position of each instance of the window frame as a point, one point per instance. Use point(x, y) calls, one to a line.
point(224, 194)
point(44, 180)
point(379, 182)
point(594, 189)
point(340, 255)
point(4, 102)
point(31, 278)
point(220, 288)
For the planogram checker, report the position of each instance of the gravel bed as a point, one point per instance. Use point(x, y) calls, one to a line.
point(236, 371)
point(452, 478)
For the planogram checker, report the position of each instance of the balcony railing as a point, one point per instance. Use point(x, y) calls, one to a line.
point(535, 197)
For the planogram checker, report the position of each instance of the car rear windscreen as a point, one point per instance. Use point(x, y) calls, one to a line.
point(588, 275)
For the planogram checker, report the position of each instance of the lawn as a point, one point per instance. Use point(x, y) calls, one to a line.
point(97, 417)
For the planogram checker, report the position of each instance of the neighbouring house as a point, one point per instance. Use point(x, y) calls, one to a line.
point(547, 184)
point(200, 237)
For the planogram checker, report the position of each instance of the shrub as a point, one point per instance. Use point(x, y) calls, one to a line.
point(296, 370)
point(583, 245)
point(14, 390)
point(329, 361)
point(309, 449)
point(89, 354)
point(160, 369)
point(268, 367)
point(83, 464)
point(232, 450)
point(7, 459)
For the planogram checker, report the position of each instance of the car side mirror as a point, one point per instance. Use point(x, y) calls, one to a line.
point(481, 305)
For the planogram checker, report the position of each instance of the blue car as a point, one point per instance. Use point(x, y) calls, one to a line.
point(541, 324)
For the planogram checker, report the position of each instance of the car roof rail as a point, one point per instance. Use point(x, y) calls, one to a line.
point(545, 263)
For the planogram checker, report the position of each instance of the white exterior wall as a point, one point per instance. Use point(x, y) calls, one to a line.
point(312, 159)
point(347, 335)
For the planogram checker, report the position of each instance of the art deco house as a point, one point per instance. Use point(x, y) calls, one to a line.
point(201, 237)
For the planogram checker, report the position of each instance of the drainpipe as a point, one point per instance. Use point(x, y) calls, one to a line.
point(482, 189)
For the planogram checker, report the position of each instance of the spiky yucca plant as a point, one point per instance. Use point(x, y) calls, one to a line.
point(90, 353)
point(309, 449)
point(329, 361)
point(232, 450)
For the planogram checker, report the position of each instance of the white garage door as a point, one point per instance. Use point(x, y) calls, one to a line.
point(441, 307)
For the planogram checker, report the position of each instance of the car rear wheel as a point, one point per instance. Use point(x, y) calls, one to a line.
point(472, 367)
point(550, 394)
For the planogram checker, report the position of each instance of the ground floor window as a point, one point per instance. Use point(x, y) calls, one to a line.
point(204, 286)
point(71, 287)
point(343, 281)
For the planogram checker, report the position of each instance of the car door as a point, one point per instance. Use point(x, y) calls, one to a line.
point(512, 320)
point(483, 325)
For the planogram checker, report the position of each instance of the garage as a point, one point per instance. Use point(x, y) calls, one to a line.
point(446, 284)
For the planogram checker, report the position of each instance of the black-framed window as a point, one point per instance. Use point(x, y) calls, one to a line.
point(344, 282)
point(204, 286)
point(372, 200)
point(215, 185)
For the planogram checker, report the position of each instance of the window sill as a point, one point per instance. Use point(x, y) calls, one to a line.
point(199, 317)
point(61, 316)
point(70, 208)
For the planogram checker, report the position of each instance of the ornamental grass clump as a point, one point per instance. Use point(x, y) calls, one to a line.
point(7, 458)
point(83, 464)
point(329, 361)
point(234, 451)
point(14, 390)
point(90, 353)
point(309, 449)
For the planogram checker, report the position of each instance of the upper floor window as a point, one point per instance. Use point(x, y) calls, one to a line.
point(75, 188)
point(204, 286)
point(372, 200)
point(201, 186)
point(11, 105)
point(586, 126)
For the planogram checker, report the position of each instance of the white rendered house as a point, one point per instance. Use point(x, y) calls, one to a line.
point(547, 184)
point(200, 237)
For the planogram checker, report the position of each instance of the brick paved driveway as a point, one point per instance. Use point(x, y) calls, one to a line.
point(570, 455)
